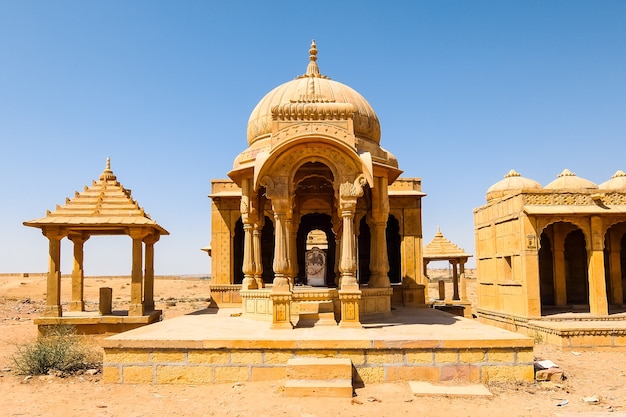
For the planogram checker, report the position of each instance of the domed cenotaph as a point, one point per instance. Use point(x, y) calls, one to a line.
point(314, 166)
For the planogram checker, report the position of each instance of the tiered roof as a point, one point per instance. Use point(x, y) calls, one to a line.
point(440, 249)
point(105, 207)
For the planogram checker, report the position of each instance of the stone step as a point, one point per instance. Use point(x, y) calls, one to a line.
point(318, 388)
point(319, 377)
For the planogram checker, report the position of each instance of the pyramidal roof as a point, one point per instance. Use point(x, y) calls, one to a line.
point(105, 207)
point(441, 248)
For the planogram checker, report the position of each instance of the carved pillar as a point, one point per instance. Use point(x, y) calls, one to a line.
point(53, 290)
point(247, 218)
point(455, 280)
point(597, 279)
point(148, 293)
point(377, 220)
point(258, 258)
point(338, 230)
point(277, 192)
point(136, 307)
point(290, 232)
point(78, 273)
point(349, 294)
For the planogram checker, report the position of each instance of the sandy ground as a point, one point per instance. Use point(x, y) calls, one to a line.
point(588, 374)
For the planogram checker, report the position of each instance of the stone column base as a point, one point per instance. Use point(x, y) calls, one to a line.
point(350, 308)
point(281, 310)
point(52, 311)
point(136, 310)
point(77, 306)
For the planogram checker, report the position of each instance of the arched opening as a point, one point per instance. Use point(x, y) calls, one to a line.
point(614, 266)
point(546, 272)
point(322, 225)
point(267, 251)
point(364, 239)
point(393, 250)
point(576, 282)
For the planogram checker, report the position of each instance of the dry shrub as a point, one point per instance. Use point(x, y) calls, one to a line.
point(59, 351)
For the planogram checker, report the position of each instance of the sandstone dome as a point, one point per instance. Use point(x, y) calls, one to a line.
point(567, 180)
point(617, 182)
point(313, 96)
point(512, 181)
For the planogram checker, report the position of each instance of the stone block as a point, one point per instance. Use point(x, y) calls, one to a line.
point(425, 357)
point(167, 374)
point(168, 357)
point(356, 356)
point(231, 374)
point(505, 373)
point(208, 357)
point(371, 374)
point(501, 355)
point(277, 357)
point(377, 357)
point(319, 369)
point(408, 373)
point(472, 356)
point(525, 356)
point(337, 389)
point(111, 374)
point(442, 357)
point(462, 373)
point(251, 357)
point(551, 374)
point(268, 373)
point(138, 374)
point(127, 356)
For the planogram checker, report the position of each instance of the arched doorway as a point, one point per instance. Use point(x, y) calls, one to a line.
point(308, 223)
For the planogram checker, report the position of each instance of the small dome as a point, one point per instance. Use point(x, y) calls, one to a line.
point(567, 180)
point(617, 182)
point(313, 96)
point(512, 181)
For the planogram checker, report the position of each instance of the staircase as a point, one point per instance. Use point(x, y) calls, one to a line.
point(319, 377)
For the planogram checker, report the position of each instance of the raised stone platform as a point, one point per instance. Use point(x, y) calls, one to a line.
point(215, 346)
point(567, 331)
point(90, 323)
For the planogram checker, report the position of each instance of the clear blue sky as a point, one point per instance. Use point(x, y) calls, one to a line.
point(464, 90)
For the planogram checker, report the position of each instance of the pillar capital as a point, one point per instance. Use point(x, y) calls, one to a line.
point(151, 239)
point(78, 237)
point(138, 232)
point(54, 233)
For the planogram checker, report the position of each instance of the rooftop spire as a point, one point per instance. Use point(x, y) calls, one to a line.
point(312, 70)
point(107, 174)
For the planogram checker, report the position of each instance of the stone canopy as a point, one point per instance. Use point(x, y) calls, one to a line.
point(103, 208)
point(314, 163)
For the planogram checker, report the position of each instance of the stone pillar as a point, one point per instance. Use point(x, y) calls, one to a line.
point(455, 280)
point(136, 307)
point(349, 294)
point(291, 248)
point(276, 190)
point(247, 217)
point(462, 279)
point(615, 268)
point(560, 283)
point(256, 249)
point(338, 230)
point(148, 293)
point(53, 290)
point(248, 283)
point(78, 273)
point(377, 220)
point(597, 279)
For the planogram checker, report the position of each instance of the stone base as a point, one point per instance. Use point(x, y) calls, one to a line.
point(578, 332)
point(224, 295)
point(413, 345)
point(90, 323)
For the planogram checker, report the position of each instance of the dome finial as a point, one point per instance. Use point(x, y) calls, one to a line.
point(107, 174)
point(312, 69)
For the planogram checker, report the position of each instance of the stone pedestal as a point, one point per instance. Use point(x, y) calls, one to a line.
point(281, 310)
point(349, 299)
point(106, 301)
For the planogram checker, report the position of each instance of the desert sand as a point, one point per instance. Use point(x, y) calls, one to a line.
point(600, 374)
